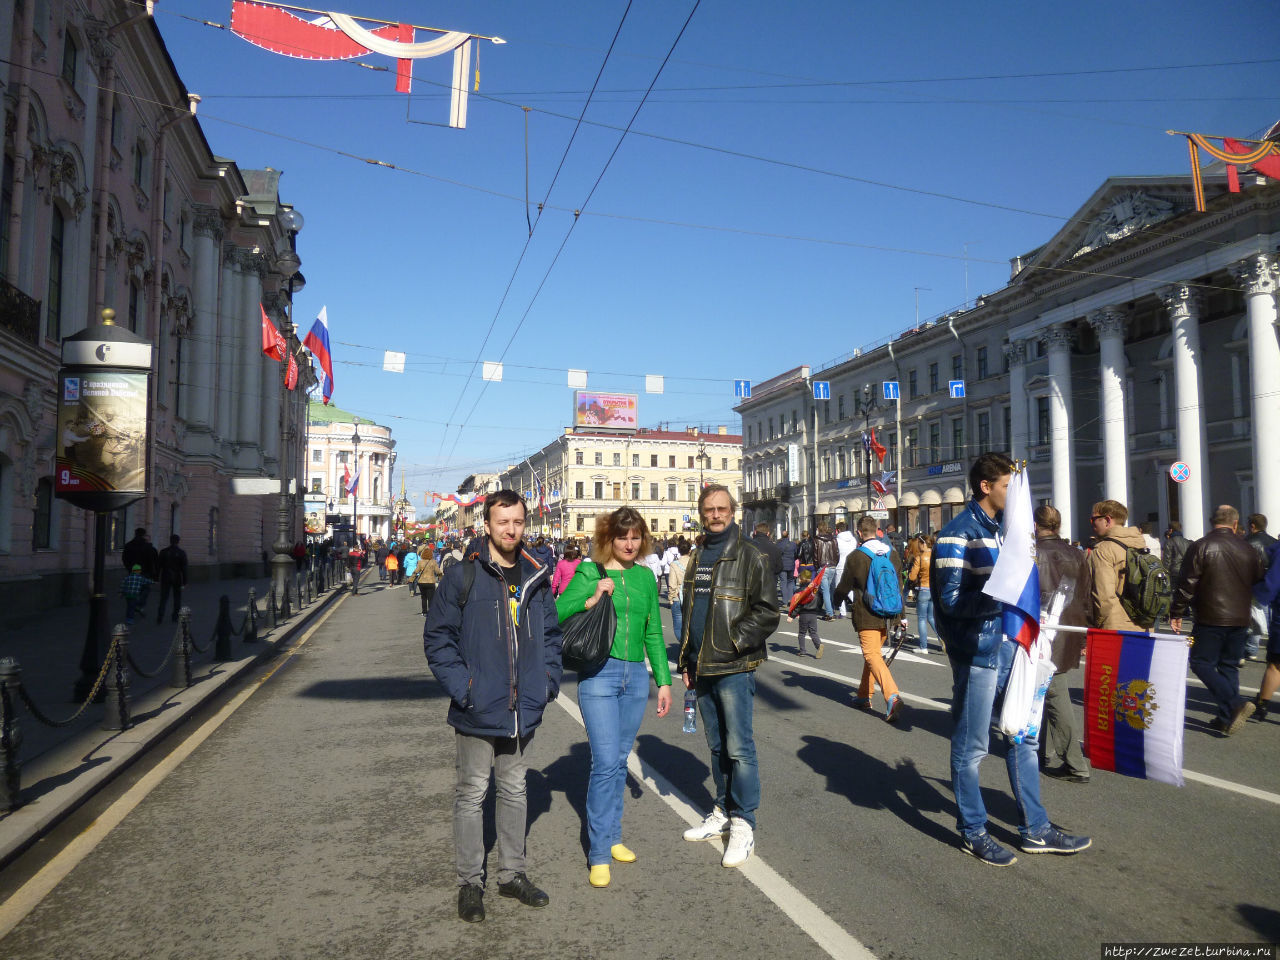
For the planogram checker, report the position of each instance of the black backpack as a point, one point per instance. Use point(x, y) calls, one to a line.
point(1147, 590)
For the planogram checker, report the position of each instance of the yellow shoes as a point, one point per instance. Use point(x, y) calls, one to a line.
point(599, 875)
point(622, 854)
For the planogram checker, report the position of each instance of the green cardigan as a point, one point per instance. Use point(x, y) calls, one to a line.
point(635, 599)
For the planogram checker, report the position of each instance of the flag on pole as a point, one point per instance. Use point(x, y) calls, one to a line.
point(1135, 701)
point(1014, 579)
point(877, 447)
point(346, 477)
point(354, 480)
point(272, 342)
point(291, 374)
point(537, 489)
point(317, 341)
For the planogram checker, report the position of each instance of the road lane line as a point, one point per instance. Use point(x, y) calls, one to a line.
point(27, 897)
point(804, 913)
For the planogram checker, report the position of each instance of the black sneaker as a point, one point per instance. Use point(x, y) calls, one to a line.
point(988, 851)
point(522, 888)
point(471, 903)
point(1260, 710)
point(1054, 840)
point(1065, 773)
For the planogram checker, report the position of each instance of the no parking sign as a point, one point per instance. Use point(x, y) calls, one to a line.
point(1180, 472)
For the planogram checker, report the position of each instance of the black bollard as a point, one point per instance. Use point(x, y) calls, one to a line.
point(10, 735)
point(116, 715)
point(271, 608)
point(251, 623)
point(223, 629)
point(182, 650)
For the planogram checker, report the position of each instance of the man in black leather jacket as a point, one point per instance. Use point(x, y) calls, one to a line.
point(730, 610)
point(1217, 577)
point(1261, 541)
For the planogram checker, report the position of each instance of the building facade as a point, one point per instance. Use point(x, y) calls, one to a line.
point(1142, 335)
point(332, 454)
point(659, 472)
point(110, 196)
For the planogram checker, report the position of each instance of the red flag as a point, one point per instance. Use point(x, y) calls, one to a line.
point(272, 343)
point(878, 448)
point(1268, 166)
point(291, 375)
point(404, 68)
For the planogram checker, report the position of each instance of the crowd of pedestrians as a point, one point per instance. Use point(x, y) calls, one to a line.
point(500, 661)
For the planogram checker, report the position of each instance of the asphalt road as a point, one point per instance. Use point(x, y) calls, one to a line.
point(316, 822)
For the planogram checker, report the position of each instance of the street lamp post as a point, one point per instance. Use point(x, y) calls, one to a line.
point(355, 572)
point(282, 565)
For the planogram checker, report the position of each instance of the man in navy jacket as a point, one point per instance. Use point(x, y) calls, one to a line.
point(492, 640)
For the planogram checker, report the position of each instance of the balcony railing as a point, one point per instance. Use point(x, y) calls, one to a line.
point(19, 314)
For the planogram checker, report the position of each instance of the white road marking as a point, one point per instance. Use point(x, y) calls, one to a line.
point(804, 913)
point(27, 897)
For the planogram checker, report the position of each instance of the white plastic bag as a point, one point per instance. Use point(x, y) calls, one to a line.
point(1024, 694)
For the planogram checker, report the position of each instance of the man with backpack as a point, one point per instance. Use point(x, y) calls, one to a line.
point(1131, 589)
point(1217, 579)
point(872, 583)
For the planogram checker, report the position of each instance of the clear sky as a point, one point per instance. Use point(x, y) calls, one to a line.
point(737, 231)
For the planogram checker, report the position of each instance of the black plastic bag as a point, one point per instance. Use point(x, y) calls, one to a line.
point(587, 637)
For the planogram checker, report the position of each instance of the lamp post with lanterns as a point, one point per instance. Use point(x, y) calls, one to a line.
point(288, 264)
point(355, 536)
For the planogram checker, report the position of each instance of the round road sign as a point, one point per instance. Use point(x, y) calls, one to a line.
point(1180, 472)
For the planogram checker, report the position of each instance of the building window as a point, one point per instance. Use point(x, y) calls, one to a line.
point(840, 407)
point(317, 484)
point(671, 492)
point(891, 457)
point(724, 463)
point(135, 304)
point(599, 459)
point(635, 459)
point(750, 434)
point(577, 457)
point(6, 207)
point(580, 524)
point(795, 422)
point(53, 303)
point(957, 367)
point(935, 442)
point(577, 489)
point(343, 455)
point(1042, 419)
point(653, 491)
point(617, 459)
point(933, 377)
point(317, 455)
point(983, 372)
point(671, 461)
point(1008, 428)
point(635, 491)
point(599, 489)
point(653, 459)
point(617, 491)
point(42, 524)
point(826, 466)
point(826, 411)
point(691, 492)
point(140, 166)
point(913, 444)
point(984, 432)
point(957, 438)
point(70, 59)
point(912, 386)
point(771, 428)
point(671, 525)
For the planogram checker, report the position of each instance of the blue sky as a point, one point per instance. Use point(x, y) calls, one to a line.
point(851, 93)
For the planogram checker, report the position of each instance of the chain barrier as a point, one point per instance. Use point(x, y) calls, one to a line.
point(48, 721)
point(149, 675)
point(191, 641)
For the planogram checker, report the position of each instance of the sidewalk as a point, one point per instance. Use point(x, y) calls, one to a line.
point(63, 766)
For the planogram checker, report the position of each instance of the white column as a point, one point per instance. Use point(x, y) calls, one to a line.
point(1016, 351)
point(1058, 341)
point(228, 337)
point(1183, 303)
point(1260, 276)
point(1109, 324)
point(198, 396)
point(248, 378)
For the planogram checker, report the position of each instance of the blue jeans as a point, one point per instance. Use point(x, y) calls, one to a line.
point(677, 617)
point(976, 693)
point(828, 582)
point(726, 703)
point(1215, 659)
point(788, 587)
point(924, 617)
point(612, 702)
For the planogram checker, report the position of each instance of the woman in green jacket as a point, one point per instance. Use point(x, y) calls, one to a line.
point(612, 697)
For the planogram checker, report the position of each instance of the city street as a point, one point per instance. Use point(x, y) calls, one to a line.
point(315, 821)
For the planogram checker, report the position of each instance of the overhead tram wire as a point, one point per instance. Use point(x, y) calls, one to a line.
point(576, 217)
point(529, 239)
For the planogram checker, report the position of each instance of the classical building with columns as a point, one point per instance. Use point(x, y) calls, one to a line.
point(110, 196)
point(331, 453)
point(1141, 335)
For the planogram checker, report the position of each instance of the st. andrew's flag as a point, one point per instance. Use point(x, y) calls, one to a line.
point(1135, 702)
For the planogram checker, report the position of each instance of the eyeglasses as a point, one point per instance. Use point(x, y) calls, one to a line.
point(1098, 516)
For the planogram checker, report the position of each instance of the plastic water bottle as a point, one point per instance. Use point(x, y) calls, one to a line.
point(690, 712)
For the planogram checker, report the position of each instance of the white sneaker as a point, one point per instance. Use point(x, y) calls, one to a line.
point(715, 825)
point(741, 842)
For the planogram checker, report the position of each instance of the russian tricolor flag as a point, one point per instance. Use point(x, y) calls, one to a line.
point(317, 341)
point(1135, 701)
point(1014, 580)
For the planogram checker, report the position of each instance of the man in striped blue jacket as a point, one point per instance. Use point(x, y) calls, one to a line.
point(969, 623)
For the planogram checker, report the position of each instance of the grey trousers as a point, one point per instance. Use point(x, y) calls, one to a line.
point(1058, 742)
point(475, 755)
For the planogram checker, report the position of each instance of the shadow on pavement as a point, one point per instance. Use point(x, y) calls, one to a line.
point(35, 791)
point(568, 775)
point(688, 772)
point(375, 688)
point(1264, 920)
point(870, 782)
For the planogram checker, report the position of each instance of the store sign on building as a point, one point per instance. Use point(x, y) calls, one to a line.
point(938, 469)
point(793, 463)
